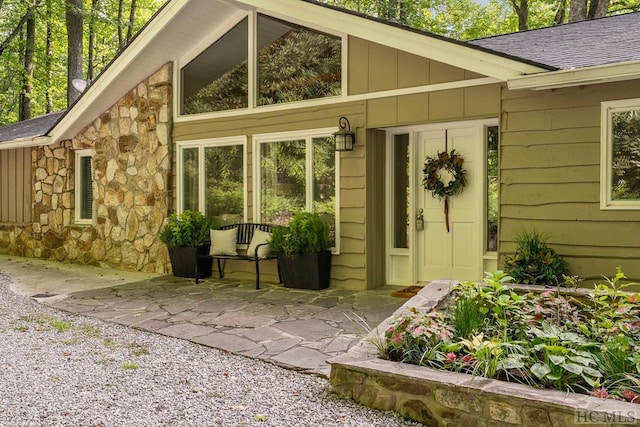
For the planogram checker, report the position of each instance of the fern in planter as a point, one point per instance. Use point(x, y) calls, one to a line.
point(307, 233)
point(535, 263)
point(190, 228)
point(304, 257)
point(187, 235)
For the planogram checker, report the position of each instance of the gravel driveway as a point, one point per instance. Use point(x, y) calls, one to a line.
point(59, 369)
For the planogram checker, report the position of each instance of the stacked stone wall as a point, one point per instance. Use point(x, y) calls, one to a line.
point(131, 177)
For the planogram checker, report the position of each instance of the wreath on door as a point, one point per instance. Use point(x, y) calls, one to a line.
point(444, 176)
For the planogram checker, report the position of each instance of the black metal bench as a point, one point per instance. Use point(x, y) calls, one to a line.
point(245, 234)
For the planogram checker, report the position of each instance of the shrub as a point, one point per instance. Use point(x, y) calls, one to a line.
point(535, 263)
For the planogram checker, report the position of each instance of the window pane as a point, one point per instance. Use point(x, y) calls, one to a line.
point(224, 183)
point(401, 191)
point(283, 180)
point(86, 190)
point(324, 181)
point(625, 159)
point(190, 179)
point(296, 63)
point(492, 189)
point(217, 80)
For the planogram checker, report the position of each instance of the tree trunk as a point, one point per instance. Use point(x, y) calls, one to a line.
point(522, 10)
point(560, 13)
point(577, 10)
point(119, 24)
point(91, 50)
point(598, 9)
point(29, 48)
point(132, 18)
point(48, 60)
point(74, 47)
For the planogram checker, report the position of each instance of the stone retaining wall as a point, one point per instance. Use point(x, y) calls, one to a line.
point(131, 161)
point(442, 398)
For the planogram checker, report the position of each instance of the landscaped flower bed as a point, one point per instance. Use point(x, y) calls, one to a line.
point(542, 339)
point(587, 359)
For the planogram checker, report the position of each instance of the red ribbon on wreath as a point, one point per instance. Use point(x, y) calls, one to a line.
point(444, 176)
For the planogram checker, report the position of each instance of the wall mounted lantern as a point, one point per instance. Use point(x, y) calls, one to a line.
point(344, 138)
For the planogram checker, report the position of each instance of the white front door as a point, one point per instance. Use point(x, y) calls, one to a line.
point(457, 253)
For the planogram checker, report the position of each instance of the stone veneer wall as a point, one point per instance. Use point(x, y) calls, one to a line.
point(130, 145)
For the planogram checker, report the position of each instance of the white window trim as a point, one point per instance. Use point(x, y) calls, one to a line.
point(79, 185)
point(607, 108)
point(201, 144)
point(307, 136)
point(252, 69)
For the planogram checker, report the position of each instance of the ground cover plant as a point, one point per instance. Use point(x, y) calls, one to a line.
point(544, 339)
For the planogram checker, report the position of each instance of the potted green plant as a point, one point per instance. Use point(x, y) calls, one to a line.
point(187, 235)
point(304, 255)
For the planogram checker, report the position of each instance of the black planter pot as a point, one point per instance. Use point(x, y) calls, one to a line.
point(310, 271)
point(184, 259)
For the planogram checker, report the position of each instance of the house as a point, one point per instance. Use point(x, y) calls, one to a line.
point(229, 107)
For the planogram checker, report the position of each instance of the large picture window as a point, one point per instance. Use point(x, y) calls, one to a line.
point(212, 179)
point(297, 172)
point(84, 187)
point(620, 157)
point(218, 78)
point(286, 63)
point(296, 63)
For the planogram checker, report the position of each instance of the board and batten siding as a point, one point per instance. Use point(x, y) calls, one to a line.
point(550, 179)
point(348, 268)
point(377, 68)
point(15, 186)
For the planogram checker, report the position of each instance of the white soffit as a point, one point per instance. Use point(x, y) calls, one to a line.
point(578, 77)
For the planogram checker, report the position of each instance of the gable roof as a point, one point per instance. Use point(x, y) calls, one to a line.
point(594, 42)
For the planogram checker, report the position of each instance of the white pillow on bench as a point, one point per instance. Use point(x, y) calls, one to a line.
point(223, 242)
point(260, 237)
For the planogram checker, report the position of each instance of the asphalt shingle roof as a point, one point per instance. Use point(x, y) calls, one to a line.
point(31, 128)
point(593, 42)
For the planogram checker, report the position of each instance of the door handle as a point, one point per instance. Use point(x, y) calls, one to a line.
point(420, 220)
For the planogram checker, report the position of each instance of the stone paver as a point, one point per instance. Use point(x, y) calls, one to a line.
point(299, 329)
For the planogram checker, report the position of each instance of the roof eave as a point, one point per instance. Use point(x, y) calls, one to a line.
point(577, 77)
point(34, 141)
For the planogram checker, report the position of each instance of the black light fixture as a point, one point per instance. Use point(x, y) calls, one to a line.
point(344, 138)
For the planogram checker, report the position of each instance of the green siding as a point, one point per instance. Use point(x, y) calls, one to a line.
point(550, 178)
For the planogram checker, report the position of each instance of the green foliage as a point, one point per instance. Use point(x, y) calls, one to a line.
point(535, 263)
point(190, 228)
point(468, 317)
point(130, 365)
point(307, 233)
point(543, 339)
point(52, 15)
point(626, 155)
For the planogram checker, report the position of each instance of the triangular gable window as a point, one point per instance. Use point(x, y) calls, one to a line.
point(292, 63)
